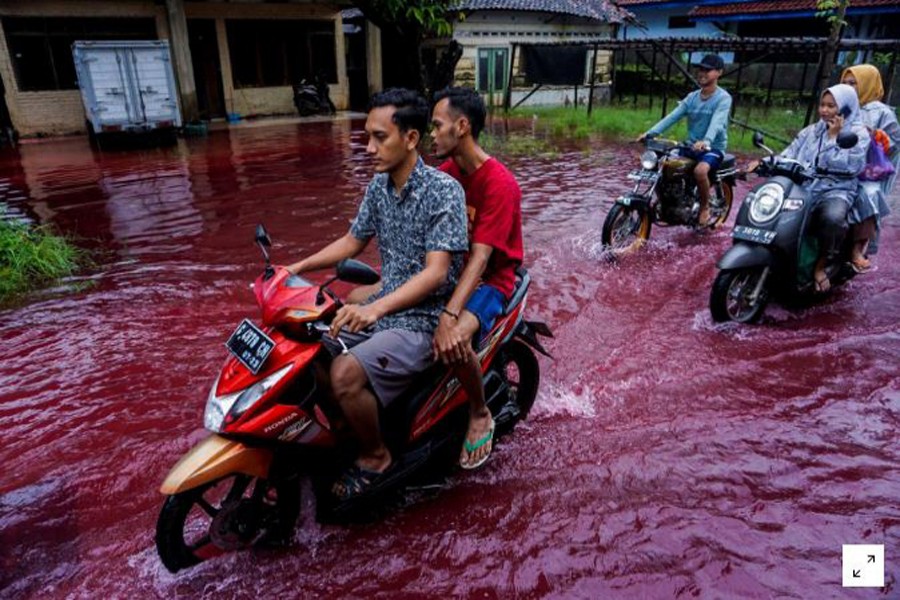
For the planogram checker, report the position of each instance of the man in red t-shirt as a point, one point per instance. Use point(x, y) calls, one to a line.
point(493, 202)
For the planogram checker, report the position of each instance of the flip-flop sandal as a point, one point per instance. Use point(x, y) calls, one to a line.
point(355, 482)
point(471, 447)
point(860, 267)
point(822, 285)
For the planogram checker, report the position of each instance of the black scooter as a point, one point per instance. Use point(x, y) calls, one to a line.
point(311, 98)
point(775, 251)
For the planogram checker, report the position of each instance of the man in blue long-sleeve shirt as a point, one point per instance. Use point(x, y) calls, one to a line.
point(707, 111)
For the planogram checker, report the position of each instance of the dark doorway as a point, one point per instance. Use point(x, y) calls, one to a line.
point(357, 72)
point(207, 68)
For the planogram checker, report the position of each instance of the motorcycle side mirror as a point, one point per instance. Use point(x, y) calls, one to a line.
point(262, 236)
point(265, 242)
point(847, 139)
point(758, 140)
point(354, 271)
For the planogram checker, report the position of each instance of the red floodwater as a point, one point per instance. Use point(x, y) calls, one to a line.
point(665, 457)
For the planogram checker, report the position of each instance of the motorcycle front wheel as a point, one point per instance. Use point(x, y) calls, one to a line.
point(226, 515)
point(731, 298)
point(625, 229)
point(722, 196)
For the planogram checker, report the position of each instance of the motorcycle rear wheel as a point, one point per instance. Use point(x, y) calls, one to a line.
point(730, 300)
point(625, 229)
point(518, 367)
point(192, 526)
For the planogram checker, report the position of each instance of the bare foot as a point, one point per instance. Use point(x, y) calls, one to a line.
point(703, 218)
point(479, 441)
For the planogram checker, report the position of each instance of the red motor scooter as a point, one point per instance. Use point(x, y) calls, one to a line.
point(273, 422)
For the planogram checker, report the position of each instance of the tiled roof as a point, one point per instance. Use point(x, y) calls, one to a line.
point(776, 6)
point(600, 10)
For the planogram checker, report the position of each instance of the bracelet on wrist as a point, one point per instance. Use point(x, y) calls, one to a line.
point(452, 314)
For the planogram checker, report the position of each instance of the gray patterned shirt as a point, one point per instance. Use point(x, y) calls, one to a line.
point(428, 215)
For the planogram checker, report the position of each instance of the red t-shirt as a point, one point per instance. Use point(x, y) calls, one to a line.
point(494, 205)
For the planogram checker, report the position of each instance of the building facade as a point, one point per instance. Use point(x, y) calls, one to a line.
point(491, 28)
point(238, 57)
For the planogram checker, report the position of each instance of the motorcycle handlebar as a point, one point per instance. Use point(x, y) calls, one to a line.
point(768, 167)
point(839, 174)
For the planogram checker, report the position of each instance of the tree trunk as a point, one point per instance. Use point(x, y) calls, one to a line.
point(828, 57)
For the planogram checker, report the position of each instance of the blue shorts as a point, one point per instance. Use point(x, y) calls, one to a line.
point(713, 158)
point(486, 303)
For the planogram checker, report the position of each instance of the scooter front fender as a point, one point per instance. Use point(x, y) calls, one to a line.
point(741, 256)
point(212, 458)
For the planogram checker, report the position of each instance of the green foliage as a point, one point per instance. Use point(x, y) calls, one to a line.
point(428, 16)
point(833, 11)
point(30, 257)
point(516, 144)
point(881, 58)
point(625, 123)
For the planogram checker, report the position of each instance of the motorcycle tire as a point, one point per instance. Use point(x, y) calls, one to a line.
point(172, 526)
point(729, 298)
point(625, 229)
point(721, 202)
point(518, 367)
point(307, 108)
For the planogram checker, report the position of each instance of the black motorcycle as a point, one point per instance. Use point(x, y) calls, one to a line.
point(665, 193)
point(775, 250)
point(311, 98)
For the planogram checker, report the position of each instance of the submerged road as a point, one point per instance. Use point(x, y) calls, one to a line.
point(665, 457)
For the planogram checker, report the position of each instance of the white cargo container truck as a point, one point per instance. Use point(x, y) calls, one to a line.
point(127, 86)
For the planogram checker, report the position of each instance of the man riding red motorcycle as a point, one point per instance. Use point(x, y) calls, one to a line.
point(418, 215)
point(273, 421)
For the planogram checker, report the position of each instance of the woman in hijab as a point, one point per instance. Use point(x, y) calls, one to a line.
point(871, 202)
point(816, 146)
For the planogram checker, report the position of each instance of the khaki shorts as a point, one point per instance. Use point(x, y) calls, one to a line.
point(390, 358)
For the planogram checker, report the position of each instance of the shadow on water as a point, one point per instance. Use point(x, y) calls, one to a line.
point(665, 456)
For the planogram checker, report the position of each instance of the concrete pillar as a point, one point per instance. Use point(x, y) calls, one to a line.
point(179, 45)
point(225, 65)
point(343, 85)
point(373, 58)
point(10, 85)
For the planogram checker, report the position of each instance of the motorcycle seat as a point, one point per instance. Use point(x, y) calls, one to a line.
point(727, 163)
point(523, 280)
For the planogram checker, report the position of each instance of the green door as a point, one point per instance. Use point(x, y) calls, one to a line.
point(492, 68)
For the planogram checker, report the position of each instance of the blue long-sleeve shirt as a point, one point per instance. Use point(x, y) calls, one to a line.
point(707, 119)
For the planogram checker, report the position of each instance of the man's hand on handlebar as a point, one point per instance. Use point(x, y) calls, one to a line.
point(354, 318)
point(296, 268)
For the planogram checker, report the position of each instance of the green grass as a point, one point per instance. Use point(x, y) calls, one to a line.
point(622, 122)
point(33, 257)
point(517, 144)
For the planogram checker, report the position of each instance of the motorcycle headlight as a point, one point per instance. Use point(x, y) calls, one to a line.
point(766, 203)
point(237, 403)
point(649, 160)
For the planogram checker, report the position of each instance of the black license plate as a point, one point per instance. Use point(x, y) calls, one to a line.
point(250, 345)
point(752, 234)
